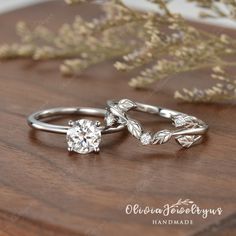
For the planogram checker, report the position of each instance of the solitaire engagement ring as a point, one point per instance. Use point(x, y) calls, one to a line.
point(83, 136)
point(190, 130)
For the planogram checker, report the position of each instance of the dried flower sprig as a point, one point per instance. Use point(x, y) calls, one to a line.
point(221, 8)
point(223, 89)
point(164, 45)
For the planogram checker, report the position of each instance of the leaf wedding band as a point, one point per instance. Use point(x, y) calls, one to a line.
point(190, 130)
point(83, 136)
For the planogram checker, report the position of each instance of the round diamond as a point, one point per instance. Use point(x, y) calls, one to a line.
point(179, 121)
point(109, 119)
point(84, 136)
point(146, 138)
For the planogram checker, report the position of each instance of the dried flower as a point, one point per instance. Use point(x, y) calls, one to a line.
point(161, 44)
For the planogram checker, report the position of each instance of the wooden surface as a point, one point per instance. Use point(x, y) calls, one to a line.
point(46, 191)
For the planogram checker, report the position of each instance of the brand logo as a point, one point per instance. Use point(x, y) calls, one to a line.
point(181, 207)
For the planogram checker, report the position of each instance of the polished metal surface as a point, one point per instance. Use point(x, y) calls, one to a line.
point(35, 119)
point(190, 129)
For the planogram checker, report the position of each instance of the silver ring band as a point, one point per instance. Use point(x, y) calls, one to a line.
point(83, 136)
point(34, 119)
point(190, 129)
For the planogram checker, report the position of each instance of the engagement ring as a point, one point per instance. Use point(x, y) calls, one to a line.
point(83, 136)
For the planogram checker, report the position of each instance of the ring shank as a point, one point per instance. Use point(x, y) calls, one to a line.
point(166, 113)
point(156, 110)
point(34, 119)
point(163, 112)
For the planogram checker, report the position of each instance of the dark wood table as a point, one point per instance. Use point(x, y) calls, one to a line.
point(46, 191)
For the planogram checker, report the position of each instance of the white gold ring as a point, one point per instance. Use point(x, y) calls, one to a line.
point(83, 136)
point(190, 130)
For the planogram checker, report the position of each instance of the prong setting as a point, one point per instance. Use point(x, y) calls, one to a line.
point(84, 136)
point(98, 123)
point(71, 123)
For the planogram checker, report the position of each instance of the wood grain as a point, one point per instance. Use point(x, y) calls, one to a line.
point(46, 191)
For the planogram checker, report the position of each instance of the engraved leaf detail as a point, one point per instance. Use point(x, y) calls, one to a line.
point(134, 128)
point(191, 122)
point(117, 111)
point(183, 120)
point(161, 137)
point(187, 140)
point(126, 104)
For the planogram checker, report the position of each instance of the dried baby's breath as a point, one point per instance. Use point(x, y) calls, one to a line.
point(161, 44)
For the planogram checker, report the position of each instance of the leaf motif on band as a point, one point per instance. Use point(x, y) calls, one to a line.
point(183, 120)
point(191, 122)
point(187, 140)
point(116, 111)
point(109, 119)
point(134, 128)
point(126, 104)
point(161, 137)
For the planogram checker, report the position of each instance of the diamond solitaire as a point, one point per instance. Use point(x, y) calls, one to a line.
point(84, 136)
